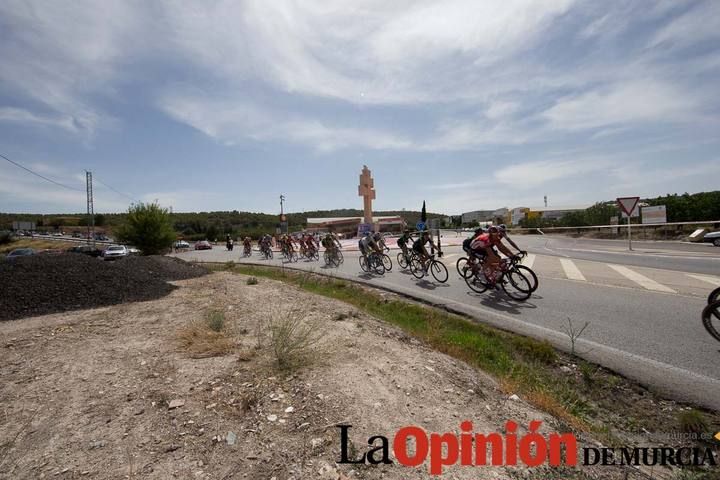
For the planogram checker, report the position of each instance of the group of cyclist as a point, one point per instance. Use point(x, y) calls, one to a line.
point(480, 247)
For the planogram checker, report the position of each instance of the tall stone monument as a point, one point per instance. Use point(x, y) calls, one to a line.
point(366, 189)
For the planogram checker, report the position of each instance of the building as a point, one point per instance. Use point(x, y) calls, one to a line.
point(484, 216)
point(546, 213)
point(349, 225)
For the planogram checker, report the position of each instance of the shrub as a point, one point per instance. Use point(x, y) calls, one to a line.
point(252, 281)
point(148, 227)
point(5, 237)
point(692, 421)
point(293, 338)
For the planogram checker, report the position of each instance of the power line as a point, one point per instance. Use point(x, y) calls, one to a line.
point(116, 191)
point(38, 175)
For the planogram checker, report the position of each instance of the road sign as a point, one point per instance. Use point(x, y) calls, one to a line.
point(628, 204)
point(655, 214)
point(364, 229)
point(420, 226)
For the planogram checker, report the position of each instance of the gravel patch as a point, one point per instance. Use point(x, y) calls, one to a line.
point(43, 284)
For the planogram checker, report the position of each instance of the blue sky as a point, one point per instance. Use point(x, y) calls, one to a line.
point(468, 105)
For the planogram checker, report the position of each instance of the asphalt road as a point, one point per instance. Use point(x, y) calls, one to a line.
point(644, 322)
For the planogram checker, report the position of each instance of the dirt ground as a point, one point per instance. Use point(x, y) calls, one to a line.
point(87, 394)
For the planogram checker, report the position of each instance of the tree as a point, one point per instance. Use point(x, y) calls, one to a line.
point(99, 220)
point(423, 214)
point(148, 227)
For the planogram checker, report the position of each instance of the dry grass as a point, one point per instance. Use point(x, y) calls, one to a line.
point(294, 337)
point(39, 244)
point(209, 337)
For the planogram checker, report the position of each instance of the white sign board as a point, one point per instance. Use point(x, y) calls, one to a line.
point(654, 214)
point(635, 212)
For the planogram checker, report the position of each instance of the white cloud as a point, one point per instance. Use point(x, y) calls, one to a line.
point(533, 174)
point(631, 102)
point(22, 116)
point(700, 23)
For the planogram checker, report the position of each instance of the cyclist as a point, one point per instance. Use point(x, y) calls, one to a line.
point(369, 244)
point(310, 244)
point(503, 234)
point(247, 243)
point(330, 242)
point(419, 246)
point(482, 248)
point(403, 241)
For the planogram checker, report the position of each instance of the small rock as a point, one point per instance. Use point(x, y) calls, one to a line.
point(565, 369)
point(231, 438)
point(289, 409)
point(272, 418)
point(514, 398)
point(176, 403)
point(316, 442)
point(97, 444)
point(429, 368)
point(212, 405)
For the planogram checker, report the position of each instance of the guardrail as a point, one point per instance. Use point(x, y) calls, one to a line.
point(666, 231)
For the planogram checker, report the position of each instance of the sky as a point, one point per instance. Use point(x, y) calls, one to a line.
point(226, 105)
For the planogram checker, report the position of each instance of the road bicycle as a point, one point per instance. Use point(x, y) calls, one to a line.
point(464, 268)
point(404, 259)
point(290, 254)
point(266, 252)
point(333, 257)
point(373, 263)
point(513, 282)
point(437, 269)
point(247, 251)
point(387, 262)
point(711, 314)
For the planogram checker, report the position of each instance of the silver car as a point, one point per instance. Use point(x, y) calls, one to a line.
point(114, 252)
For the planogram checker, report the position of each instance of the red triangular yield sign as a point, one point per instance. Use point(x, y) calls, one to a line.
point(628, 204)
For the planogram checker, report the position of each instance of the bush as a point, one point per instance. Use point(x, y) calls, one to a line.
point(148, 227)
point(293, 338)
point(6, 237)
point(252, 281)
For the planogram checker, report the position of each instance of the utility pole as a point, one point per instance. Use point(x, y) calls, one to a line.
point(90, 208)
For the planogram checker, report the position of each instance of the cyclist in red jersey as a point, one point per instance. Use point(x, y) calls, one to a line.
point(483, 244)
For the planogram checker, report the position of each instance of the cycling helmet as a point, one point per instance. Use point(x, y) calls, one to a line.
point(493, 230)
point(502, 227)
point(377, 236)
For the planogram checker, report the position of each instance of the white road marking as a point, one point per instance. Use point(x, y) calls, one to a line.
point(704, 278)
point(571, 271)
point(529, 260)
point(641, 280)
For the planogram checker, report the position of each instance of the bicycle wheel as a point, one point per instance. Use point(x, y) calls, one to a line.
point(417, 268)
point(402, 260)
point(328, 258)
point(461, 266)
point(294, 257)
point(714, 296)
point(339, 258)
point(711, 319)
point(363, 263)
point(530, 275)
point(387, 263)
point(378, 265)
point(516, 285)
point(476, 282)
point(439, 271)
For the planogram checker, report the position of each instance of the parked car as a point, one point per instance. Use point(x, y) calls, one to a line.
point(114, 252)
point(180, 244)
point(21, 252)
point(86, 250)
point(712, 237)
point(133, 251)
point(203, 245)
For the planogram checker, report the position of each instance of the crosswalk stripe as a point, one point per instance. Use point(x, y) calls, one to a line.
point(641, 280)
point(529, 260)
point(571, 271)
point(704, 278)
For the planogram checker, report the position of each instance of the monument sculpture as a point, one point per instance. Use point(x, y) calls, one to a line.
point(366, 189)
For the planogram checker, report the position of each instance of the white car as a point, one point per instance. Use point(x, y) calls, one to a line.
point(180, 244)
point(114, 252)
